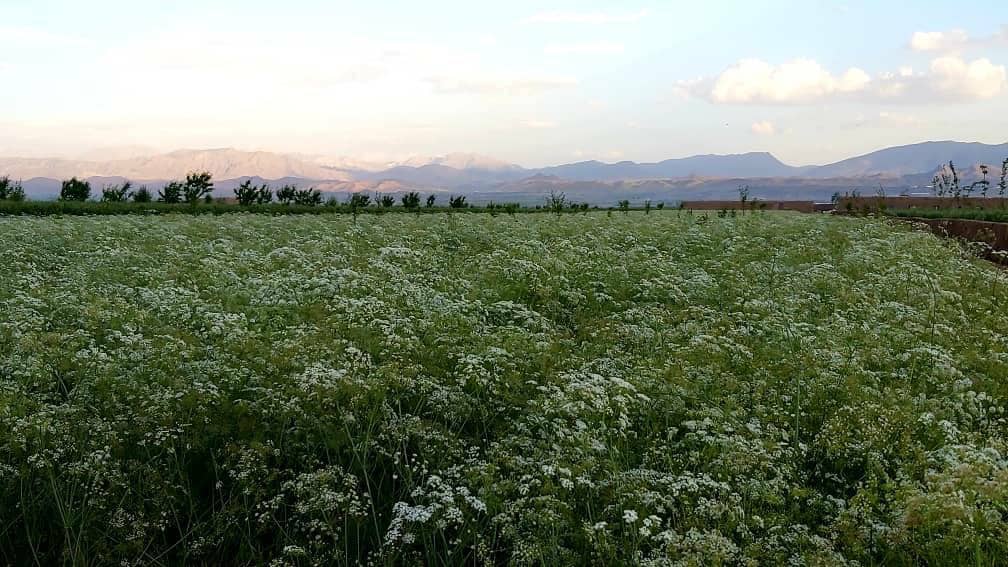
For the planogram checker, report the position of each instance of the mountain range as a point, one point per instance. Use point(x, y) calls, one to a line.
point(702, 176)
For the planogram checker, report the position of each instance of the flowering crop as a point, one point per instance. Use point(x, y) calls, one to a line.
point(457, 388)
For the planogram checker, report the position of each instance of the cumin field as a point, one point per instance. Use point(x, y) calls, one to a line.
point(657, 389)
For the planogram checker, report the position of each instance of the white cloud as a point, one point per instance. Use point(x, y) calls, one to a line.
point(755, 81)
point(978, 79)
point(763, 128)
point(955, 40)
point(803, 81)
point(593, 48)
point(561, 17)
point(939, 40)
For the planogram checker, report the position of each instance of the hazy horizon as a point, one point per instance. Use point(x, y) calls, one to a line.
point(525, 83)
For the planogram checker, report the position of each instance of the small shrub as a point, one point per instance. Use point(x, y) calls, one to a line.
point(197, 185)
point(310, 197)
point(287, 194)
point(411, 200)
point(11, 190)
point(74, 189)
point(556, 203)
point(116, 193)
point(171, 193)
point(142, 195)
point(359, 201)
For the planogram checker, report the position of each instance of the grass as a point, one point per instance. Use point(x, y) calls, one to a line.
point(96, 208)
point(991, 215)
point(454, 389)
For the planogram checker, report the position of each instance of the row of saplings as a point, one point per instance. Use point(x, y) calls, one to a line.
point(198, 187)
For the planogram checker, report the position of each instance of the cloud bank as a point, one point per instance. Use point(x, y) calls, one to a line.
point(804, 81)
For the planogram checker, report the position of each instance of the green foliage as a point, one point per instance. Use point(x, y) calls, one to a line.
point(946, 182)
point(171, 193)
point(197, 185)
point(246, 194)
point(624, 206)
point(556, 203)
point(309, 197)
point(117, 193)
point(430, 201)
point(248, 389)
point(1003, 184)
point(990, 215)
point(142, 195)
point(458, 202)
point(287, 194)
point(74, 189)
point(359, 201)
point(386, 201)
point(11, 190)
point(411, 200)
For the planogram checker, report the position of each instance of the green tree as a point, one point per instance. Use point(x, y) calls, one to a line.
point(171, 193)
point(142, 195)
point(556, 203)
point(1004, 178)
point(386, 201)
point(359, 201)
point(458, 202)
point(430, 201)
point(11, 191)
point(310, 197)
point(411, 200)
point(286, 195)
point(624, 206)
point(116, 193)
point(197, 185)
point(74, 189)
point(246, 194)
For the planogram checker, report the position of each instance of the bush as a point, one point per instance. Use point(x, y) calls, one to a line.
point(142, 195)
point(247, 194)
point(359, 201)
point(11, 191)
point(116, 193)
point(197, 185)
point(171, 193)
point(286, 195)
point(556, 203)
point(411, 200)
point(310, 197)
point(74, 189)
point(457, 202)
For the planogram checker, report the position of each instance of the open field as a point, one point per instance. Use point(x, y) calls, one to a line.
point(445, 389)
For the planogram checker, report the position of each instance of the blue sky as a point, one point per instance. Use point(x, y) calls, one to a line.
point(530, 82)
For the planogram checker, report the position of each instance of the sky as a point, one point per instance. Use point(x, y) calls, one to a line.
point(533, 83)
